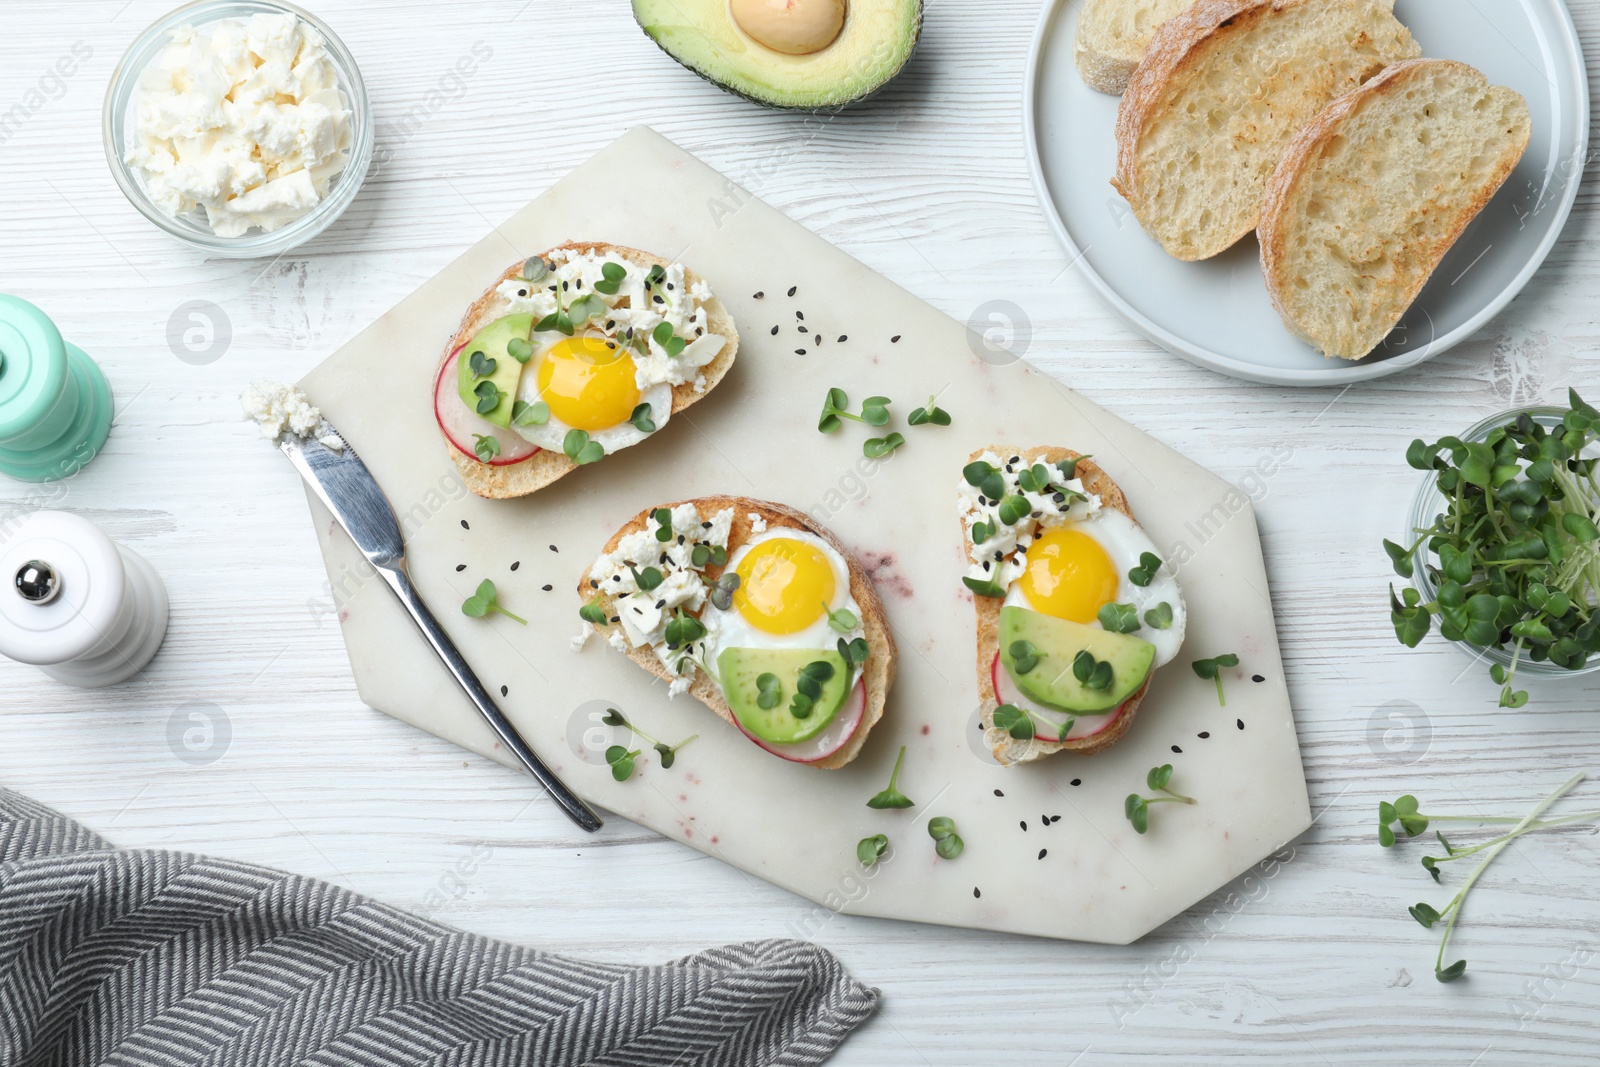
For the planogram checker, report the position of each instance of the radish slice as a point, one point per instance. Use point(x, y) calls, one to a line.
point(836, 736)
point(459, 423)
point(1049, 718)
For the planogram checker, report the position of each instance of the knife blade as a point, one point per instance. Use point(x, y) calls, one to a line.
point(344, 484)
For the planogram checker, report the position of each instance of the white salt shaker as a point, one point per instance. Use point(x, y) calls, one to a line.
point(75, 603)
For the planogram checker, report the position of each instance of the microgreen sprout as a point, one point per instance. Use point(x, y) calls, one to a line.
point(1018, 722)
point(982, 531)
point(641, 419)
point(488, 395)
point(1092, 673)
point(485, 602)
point(853, 652)
point(769, 691)
point(1034, 479)
point(878, 447)
point(622, 760)
point(1210, 669)
point(1120, 618)
point(892, 797)
point(1159, 617)
point(722, 590)
point(526, 414)
point(1069, 467)
point(1404, 812)
point(808, 687)
point(663, 518)
point(592, 612)
point(682, 629)
point(946, 842)
point(482, 365)
point(1145, 572)
point(580, 449)
point(519, 349)
point(535, 269)
point(1013, 509)
point(985, 478)
point(1515, 556)
point(669, 341)
point(843, 621)
point(1024, 656)
point(936, 415)
point(1137, 808)
point(648, 579)
point(485, 446)
point(611, 276)
point(700, 555)
point(990, 588)
point(836, 406)
point(869, 850)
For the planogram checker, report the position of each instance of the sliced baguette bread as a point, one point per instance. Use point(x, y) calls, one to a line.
point(1007, 749)
point(545, 466)
point(1221, 90)
point(877, 672)
point(1371, 195)
point(1112, 37)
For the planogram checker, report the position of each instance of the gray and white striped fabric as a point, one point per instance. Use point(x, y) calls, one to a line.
point(159, 959)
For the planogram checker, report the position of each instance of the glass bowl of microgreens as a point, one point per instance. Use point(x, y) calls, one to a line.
point(1504, 549)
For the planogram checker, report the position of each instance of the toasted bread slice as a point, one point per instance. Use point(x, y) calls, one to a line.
point(545, 466)
point(1007, 749)
point(1113, 35)
point(877, 672)
point(1371, 195)
point(1220, 92)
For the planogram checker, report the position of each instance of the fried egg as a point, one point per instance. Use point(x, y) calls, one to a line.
point(789, 580)
point(1072, 570)
point(589, 383)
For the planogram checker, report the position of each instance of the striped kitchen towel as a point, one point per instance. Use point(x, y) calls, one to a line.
point(132, 958)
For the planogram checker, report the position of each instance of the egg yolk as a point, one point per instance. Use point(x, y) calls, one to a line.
point(783, 585)
point(588, 385)
point(1069, 575)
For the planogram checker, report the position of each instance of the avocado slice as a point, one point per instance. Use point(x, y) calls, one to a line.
point(875, 42)
point(1057, 643)
point(491, 341)
point(741, 670)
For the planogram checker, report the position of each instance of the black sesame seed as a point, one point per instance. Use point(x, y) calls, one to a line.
point(548, 588)
point(996, 792)
point(611, 324)
point(1203, 734)
point(801, 315)
point(563, 287)
point(1239, 723)
point(616, 577)
point(759, 295)
point(1257, 678)
point(658, 298)
point(774, 331)
point(792, 288)
point(1077, 781)
point(661, 604)
point(802, 329)
point(818, 339)
point(460, 567)
point(1044, 820)
point(843, 338)
point(594, 583)
point(522, 292)
point(799, 351)
point(1175, 748)
point(464, 525)
point(895, 339)
point(705, 526)
point(1043, 852)
point(580, 283)
point(505, 690)
point(1014, 459)
point(553, 548)
point(615, 618)
point(975, 892)
point(515, 565)
point(1024, 824)
point(670, 287)
point(1055, 818)
point(680, 539)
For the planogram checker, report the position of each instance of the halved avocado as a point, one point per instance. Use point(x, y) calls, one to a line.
point(492, 341)
point(874, 43)
point(1056, 644)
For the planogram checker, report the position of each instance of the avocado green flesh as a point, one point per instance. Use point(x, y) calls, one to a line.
point(491, 341)
point(740, 668)
point(1058, 642)
point(877, 39)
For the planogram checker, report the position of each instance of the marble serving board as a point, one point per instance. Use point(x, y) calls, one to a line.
point(1048, 850)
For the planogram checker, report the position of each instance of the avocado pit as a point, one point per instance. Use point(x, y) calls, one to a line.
point(793, 27)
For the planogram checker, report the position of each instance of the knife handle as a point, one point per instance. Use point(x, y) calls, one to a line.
point(575, 809)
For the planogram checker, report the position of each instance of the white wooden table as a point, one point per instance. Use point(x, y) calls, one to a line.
point(1312, 958)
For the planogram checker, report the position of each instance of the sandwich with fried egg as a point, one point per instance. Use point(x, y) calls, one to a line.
point(756, 611)
point(1075, 608)
point(571, 356)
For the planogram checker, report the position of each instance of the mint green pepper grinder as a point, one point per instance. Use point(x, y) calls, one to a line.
point(55, 404)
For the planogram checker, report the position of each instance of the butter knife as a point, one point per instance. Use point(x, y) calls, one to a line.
point(343, 483)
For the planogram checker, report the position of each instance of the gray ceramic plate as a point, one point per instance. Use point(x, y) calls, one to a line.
point(1217, 313)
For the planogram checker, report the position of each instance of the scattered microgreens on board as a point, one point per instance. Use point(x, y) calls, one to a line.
point(878, 447)
point(1404, 813)
point(836, 406)
point(891, 797)
point(1137, 807)
point(1515, 556)
point(621, 759)
point(869, 850)
point(486, 602)
point(946, 842)
point(1211, 670)
point(930, 414)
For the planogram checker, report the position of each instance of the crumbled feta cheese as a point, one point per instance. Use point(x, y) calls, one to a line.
point(283, 409)
point(998, 558)
point(757, 523)
point(581, 638)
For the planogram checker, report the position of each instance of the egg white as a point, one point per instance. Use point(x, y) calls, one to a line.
point(728, 629)
point(552, 435)
point(1124, 541)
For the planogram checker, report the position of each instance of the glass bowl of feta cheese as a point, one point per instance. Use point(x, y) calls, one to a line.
point(241, 127)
